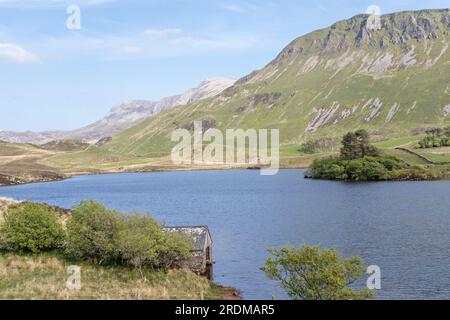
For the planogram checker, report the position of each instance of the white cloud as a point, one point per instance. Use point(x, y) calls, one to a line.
point(51, 3)
point(13, 53)
point(174, 39)
point(148, 44)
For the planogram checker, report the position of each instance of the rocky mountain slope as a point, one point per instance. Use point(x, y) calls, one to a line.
point(123, 116)
point(392, 81)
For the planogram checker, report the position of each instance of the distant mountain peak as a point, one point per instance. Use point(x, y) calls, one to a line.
point(392, 80)
point(123, 115)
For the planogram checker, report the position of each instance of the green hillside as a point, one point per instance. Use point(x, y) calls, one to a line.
point(393, 81)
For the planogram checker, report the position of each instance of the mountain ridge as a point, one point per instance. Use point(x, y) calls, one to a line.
point(390, 81)
point(122, 116)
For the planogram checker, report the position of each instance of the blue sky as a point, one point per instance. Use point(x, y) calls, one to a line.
point(55, 78)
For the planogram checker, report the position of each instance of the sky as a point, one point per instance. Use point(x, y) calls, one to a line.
point(55, 77)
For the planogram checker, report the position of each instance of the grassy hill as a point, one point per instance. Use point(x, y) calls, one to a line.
point(20, 163)
point(393, 82)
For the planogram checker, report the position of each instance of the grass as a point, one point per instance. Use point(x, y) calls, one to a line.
point(397, 142)
point(280, 97)
point(406, 157)
point(44, 277)
point(439, 155)
point(64, 145)
point(19, 163)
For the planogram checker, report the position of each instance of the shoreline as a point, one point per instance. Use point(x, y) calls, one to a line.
point(155, 170)
point(189, 169)
point(215, 289)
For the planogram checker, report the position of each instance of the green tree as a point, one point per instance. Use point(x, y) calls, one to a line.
point(327, 168)
point(356, 145)
point(139, 241)
point(31, 227)
point(374, 170)
point(310, 273)
point(350, 148)
point(91, 233)
point(175, 249)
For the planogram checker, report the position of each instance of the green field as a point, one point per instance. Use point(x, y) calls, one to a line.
point(439, 155)
point(44, 276)
point(398, 142)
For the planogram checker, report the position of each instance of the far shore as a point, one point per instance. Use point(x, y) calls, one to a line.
point(147, 169)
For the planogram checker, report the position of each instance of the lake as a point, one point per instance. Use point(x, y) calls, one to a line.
point(403, 227)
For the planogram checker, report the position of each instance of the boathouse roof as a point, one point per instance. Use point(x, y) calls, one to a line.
point(199, 234)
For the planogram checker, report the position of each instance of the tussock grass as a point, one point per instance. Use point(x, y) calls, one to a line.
point(44, 277)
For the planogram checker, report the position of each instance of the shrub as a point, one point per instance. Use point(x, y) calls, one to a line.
point(31, 227)
point(435, 138)
point(328, 168)
point(310, 273)
point(139, 241)
point(367, 168)
point(390, 162)
point(411, 174)
point(355, 170)
point(175, 249)
point(103, 236)
point(91, 232)
point(373, 170)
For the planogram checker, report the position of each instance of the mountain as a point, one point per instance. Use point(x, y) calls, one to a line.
point(392, 81)
point(123, 116)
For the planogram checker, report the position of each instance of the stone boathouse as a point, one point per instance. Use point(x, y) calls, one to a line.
point(201, 260)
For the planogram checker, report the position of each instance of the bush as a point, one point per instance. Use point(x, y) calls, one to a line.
point(91, 233)
point(435, 138)
point(175, 249)
point(328, 168)
point(310, 273)
point(373, 169)
point(139, 241)
point(367, 168)
point(390, 162)
point(104, 236)
point(364, 169)
point(31, 227)
point(415, 174)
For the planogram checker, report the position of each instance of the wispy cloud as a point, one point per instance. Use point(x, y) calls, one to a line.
point(10, 52)
point(51, 3)
point(147, 44)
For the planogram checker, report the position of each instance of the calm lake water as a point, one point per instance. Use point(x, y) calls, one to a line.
point(402, 227)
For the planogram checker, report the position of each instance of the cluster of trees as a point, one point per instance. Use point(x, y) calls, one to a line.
point(93, 233)
point(368, 168)
point(358, 160)
point(361, 161)
point(435, 138)
point(318, 145)
point(312, 273)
